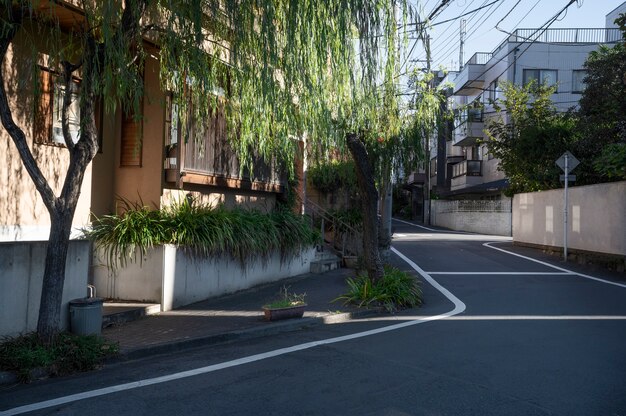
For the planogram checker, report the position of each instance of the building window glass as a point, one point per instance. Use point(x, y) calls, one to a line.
point(131, 140)
point(48, 127)
point(541, 76)
point(578, 84)
point(494, 90)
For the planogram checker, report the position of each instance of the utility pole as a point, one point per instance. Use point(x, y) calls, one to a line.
point(462, 43)
point(426, 210)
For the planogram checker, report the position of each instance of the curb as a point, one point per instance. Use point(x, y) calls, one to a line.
point(7, 377)
point(244, 334)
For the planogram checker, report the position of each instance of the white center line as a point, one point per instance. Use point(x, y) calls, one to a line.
point(504, 273)
point(459, 307)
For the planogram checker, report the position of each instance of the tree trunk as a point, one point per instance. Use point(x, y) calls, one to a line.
point(369, 201)
point(384, 229)
point(54, 277)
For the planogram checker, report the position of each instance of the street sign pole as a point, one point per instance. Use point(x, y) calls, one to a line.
point(565, 208)
point(567, 162)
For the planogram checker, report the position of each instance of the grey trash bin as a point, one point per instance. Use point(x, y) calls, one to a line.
point(86, 316)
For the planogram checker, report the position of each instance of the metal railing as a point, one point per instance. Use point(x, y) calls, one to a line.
point(576, 35)
point(480, 58)
point(344, 238)
point(565, 36)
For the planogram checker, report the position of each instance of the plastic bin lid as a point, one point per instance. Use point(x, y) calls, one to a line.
point(86, 301)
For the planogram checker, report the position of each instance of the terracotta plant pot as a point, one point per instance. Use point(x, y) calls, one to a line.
point(276, 314)
point(351, 262)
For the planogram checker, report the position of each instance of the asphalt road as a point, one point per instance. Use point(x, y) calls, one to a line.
point(499, 335)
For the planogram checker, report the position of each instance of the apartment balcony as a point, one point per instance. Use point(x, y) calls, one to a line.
point(469, 129)
point(210, 161)
point(472, 77)
point(453, 151)
point(416, 178)
point(465, 174)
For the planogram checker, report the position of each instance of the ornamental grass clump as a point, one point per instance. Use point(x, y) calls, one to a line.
point(395, 290)
point(202, 230)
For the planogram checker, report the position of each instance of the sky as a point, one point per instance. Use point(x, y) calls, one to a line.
point(481, 32)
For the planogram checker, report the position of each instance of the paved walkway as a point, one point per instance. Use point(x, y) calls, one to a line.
point(234, 316)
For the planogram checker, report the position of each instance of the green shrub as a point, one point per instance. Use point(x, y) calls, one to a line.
point(331, 176)
point(396, 290)
point(68, 354)
point(203, 230)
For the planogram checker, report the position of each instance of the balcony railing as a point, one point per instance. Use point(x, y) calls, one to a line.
point(480, 58)
point(206, 157)
point(566, 35)
point(467, 168)
point(577, 35)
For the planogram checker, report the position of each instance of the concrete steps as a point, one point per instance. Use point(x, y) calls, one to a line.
point(120, 312)
point(324, 262)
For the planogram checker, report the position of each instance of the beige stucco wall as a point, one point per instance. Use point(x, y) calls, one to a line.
point(145, 183)
point(596, 218)
point(23, 215)
point(103, 180)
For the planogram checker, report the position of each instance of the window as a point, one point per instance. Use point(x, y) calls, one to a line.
point(171, 132)
point(541, 76)
point(48, 127)
point(131, 140)
point(578, 83)
point(494, 91)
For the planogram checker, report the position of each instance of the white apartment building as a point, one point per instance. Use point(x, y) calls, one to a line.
point(463, 167)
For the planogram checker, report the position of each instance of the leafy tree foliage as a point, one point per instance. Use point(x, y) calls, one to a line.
point(530, 137)
point(603, 111)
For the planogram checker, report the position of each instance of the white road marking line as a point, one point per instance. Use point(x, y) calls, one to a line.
point(458, 308)
point(506, 318)
point(415, 225)
point(538, 318)
point(608, 282)
point(504, 273)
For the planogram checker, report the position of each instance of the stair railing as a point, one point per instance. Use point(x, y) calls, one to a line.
point(340, 228)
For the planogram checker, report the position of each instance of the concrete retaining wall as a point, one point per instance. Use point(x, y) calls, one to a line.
point(597, 218)
point(21, 276)
point(169, 276)
point(484, 217)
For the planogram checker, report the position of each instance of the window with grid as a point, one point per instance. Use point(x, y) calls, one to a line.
point(578, 80)
point(541, 76)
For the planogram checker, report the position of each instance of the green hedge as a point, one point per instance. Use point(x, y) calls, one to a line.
point(204, 230)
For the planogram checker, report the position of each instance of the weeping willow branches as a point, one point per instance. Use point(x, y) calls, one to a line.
point(287, 67)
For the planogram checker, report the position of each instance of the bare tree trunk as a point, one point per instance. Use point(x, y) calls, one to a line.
point(53, 278)
point(369, 200)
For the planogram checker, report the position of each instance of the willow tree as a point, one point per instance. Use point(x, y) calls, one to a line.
point(285, 67)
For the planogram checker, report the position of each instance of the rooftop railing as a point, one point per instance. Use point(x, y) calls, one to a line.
point(564, 36)
point(480, 58)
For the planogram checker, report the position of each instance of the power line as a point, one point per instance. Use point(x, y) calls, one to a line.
point(481, 20)
point(541, 30)
point(450, 37)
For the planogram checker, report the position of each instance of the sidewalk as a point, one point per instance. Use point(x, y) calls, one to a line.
point(235, 316)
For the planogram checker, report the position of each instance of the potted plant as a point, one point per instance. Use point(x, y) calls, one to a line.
point(287, 305)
